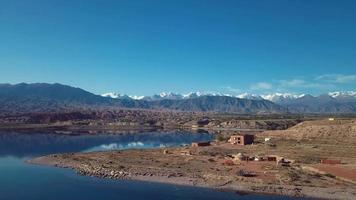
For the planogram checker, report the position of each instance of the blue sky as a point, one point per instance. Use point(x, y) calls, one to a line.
point(145, 47)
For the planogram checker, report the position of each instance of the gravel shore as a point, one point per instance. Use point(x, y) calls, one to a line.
point(198, 170)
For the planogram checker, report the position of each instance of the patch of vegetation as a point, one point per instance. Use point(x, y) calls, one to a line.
point(330, 175)
point(244, 173)
point(221, 138)
point(310, 159)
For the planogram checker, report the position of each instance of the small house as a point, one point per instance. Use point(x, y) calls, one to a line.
point(200, 144)
point(243, 139)
point(330, 162)
point(272, 158)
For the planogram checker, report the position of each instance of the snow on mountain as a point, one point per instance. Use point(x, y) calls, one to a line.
point(135, 97)
point(199, 94)
point(113, 95)
point(162, 96)
point(116, 95)
point(192, 95)
point(249, 96)
point(344, 96)
point(338, 94)
point(281, 97)
point(170, 95)
point(177, 96)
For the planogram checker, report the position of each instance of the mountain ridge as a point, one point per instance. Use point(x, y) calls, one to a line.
point(274, 97)
point(44, 97)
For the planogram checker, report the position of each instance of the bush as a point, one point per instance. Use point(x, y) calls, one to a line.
point(245, 173)
point(220, 138)
point(330, 175)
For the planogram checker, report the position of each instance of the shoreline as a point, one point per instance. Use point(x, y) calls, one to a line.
point(77, 130)
point(178, 179)
point(185, 181)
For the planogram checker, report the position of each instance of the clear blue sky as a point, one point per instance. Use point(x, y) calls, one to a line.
point(145, 47)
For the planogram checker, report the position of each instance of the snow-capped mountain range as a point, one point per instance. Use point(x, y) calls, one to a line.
point(274, 97)
point(342, 94)
point(46, 97)
point(281, 97)
point(163, 95)
point(116, 95)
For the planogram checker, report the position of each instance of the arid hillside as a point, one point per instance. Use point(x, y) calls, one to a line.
point(330, 131)
point(119, 119)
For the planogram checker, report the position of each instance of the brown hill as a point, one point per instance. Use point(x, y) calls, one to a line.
point(331, 131)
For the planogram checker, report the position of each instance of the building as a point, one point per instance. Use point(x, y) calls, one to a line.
point(242, 139)
point(272, 158)
point(200, 144)
point(331, 162)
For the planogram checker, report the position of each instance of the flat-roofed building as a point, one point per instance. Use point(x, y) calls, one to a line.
point(242, 139)
point(200, 144)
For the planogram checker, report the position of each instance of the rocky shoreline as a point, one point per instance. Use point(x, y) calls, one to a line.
point(191, 171)
point(179, 179)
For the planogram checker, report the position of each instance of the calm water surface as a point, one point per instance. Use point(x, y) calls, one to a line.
point(19, 180)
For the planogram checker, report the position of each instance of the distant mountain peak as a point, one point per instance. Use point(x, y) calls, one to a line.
point(116, 95)
point(281, 97)
point(113, 95)
point(170, 95)
point(338, 94)
point(249, 96)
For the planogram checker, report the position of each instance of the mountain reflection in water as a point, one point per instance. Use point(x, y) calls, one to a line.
point(28, 145)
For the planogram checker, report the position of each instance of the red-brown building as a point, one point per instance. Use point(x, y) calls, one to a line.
point(200, 144)
point(242, 139)
point(331, 162)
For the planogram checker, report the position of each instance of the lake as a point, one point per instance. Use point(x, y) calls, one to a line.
point(19, 180)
